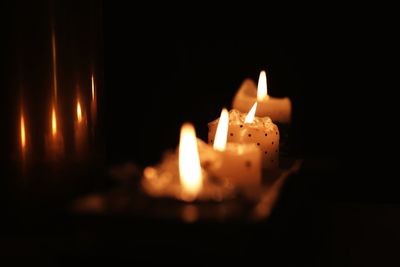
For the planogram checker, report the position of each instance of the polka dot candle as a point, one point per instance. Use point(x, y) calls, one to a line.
point(240, 162)
point(262, 132)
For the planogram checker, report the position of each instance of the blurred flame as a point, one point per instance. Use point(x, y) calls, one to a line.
point(53, 121)
point(93, 88)
point(79, 111)
point(262, 89)
point(23, 134)
point(189, 163)
point(250, 116)
point(222, 131)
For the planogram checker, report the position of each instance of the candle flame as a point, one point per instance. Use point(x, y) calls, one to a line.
point(23, 133)
point(222, 131)
point(53, 121)
point(79, 111)
point(93, 96)
point(250, 116)
point(189, 163)
point(262, 89)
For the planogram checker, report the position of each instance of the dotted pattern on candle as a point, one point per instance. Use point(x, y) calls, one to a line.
point(262, 133)
point(269, 144)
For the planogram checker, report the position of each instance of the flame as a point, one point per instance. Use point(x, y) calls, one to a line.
point(53, 121)
point(93, 96)
point(222, 131)
point(23, 134)
point(250, 116)
point(79, 111)
point(189, 163)
point(262, 89)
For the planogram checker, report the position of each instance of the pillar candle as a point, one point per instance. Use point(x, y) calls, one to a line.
point(186, 173)
point(278, 109)
point(240, 162)
point(261, 132)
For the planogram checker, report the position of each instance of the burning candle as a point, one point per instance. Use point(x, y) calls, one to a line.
point(54, 140)
point(80, 130)
point(246, 128)
point(278, 109)
point(189, 174)
point(241, 162)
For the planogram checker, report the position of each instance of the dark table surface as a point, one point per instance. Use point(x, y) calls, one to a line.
point(314, 223)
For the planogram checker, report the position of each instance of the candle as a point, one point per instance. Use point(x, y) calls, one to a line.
point(241, 162)
point(54, 140)
point(278, 109)
point(246, 128)
point(80, 131)
point(189, 174)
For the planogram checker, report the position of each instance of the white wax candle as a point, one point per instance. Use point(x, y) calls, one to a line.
point(240, 163)
point(278, 109)
point(190, 173)
point(262, 132)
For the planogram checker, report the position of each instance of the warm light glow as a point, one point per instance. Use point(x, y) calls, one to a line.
point(262, 89)
point(54, 122)
point(93, 88)
point(79, 112)
point(250, 116)
point(222, 131)
point(23, 133)
point(189, 163)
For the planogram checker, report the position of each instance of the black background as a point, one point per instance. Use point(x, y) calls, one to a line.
point(152, 79)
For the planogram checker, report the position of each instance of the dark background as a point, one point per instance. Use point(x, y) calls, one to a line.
point(341, 209)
